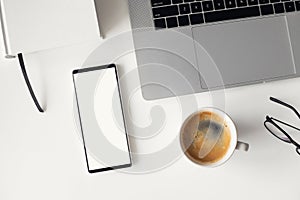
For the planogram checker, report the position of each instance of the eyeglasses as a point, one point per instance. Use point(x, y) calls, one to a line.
point(275, 126)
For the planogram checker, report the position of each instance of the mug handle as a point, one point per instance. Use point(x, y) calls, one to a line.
point(242, 146)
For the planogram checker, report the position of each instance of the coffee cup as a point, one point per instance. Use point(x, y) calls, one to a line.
point(208, 137)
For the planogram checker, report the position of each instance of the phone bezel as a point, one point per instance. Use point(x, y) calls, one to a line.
point(83, 70)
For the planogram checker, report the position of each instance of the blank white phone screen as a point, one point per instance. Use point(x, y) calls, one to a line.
point(101, 119)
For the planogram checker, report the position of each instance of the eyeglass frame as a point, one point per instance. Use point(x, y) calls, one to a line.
point(274, 120)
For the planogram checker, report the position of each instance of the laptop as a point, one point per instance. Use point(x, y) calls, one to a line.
point(192, 46)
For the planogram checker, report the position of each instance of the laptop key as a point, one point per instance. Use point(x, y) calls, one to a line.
point(289, 7)
point(160, 23)
point(184, 9)
point(264, 1)
point(298, 5)
point(160, 2)
point(241, 3)
point(177, 1)
point(219, 4)
point(253, 2)
point(172, 22)
point(274, 1)
point(232, 14)
point(165, 11)
point(207, 5)
point(267, 9)
point(279, 8)
point(183, 20)
point(196, 7)
point(196, 19)
point(189, 0)
point(230, 3)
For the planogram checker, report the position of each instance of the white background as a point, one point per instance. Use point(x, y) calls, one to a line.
point(42, 156)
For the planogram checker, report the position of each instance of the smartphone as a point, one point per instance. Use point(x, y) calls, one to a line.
point(101, 118)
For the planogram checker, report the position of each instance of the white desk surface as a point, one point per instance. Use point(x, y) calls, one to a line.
point(42, 156)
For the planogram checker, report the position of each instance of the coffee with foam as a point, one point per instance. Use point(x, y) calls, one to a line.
point(205, 138)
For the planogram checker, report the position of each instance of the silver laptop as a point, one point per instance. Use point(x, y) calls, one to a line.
point(191, 46)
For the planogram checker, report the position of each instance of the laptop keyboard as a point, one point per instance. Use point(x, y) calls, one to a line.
point(176, 13)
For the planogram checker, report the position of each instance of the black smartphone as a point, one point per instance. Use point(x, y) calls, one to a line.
point(101, 118)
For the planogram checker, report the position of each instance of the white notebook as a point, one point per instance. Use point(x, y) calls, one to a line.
point(33, 25)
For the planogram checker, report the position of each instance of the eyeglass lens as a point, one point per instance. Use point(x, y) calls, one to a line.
point(276, 132)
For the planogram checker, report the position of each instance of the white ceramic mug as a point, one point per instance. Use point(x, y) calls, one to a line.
point(233, 145)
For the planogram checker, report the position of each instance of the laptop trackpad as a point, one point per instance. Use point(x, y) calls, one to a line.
point(243, 52)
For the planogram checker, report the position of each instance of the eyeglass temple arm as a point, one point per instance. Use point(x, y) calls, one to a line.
point(285, 104)
point(282, 122)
